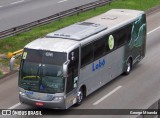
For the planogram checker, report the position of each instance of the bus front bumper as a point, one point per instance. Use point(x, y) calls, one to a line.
point(58, 104)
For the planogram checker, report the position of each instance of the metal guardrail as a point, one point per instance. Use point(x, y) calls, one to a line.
point(29, 26)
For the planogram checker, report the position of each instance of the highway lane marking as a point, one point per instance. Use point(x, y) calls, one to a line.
point(62, 1)
point(153, 30)
point(14, 106)
point(17, 2)
point(107, 95)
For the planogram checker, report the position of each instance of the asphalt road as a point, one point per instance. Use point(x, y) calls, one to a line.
point(138, 90)
point(18, 12)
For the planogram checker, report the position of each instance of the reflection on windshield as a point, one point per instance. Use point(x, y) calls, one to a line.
point(30, 70)
point(52, 77)
point(52, 70)
point(42, 72)
point(44, 78)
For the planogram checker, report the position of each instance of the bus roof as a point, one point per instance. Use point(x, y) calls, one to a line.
point(63, 39)
point(116, 17)
point(52, 44)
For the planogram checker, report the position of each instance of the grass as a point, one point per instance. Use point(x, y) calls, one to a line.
point(17, 42)
point(1, 74)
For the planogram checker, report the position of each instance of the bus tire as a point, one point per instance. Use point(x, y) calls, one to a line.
point(128, 67)
point(80, 97)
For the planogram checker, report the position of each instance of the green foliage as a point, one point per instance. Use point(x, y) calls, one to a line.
point(1, 73)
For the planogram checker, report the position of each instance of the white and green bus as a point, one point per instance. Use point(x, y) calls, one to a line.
point(62, 68)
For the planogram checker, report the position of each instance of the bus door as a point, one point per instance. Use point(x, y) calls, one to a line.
point(72, 79)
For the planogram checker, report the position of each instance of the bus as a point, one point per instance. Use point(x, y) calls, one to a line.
point(62, 68)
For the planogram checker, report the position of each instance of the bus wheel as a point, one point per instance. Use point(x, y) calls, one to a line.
point(128, 67)
point(80, 97)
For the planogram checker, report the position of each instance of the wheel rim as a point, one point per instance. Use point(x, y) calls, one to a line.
point(80, 96)
point(128, 67)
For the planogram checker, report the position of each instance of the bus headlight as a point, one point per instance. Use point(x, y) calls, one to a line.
point(58, 98)
point(22, 93)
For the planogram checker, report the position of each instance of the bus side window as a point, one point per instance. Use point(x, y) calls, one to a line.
point(121, 37)
point(107, 47)
point(128, 32)
point(86, 54)
point(124, 35)
point(99, 48)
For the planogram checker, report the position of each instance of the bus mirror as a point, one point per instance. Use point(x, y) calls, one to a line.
point(65, 68)
point(12, 61)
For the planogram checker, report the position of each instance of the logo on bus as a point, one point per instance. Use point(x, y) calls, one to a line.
point(111, 42)
point(100, 64)
point(49, 54)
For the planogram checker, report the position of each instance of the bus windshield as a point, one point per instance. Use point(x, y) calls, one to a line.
point(43, 73)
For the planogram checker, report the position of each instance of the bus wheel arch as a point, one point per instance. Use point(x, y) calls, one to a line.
point(128, 66)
